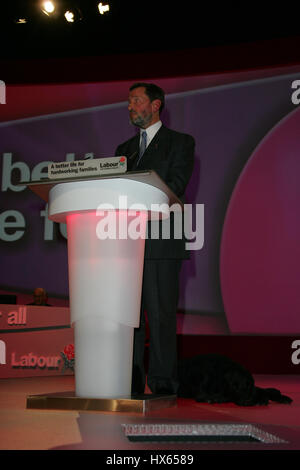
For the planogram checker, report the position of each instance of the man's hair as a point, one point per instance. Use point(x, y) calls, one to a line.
point(153, 92)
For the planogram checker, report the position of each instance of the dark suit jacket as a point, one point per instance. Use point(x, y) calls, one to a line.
point(171, 155)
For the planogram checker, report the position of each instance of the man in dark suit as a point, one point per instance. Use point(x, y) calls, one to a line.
point(171, 155)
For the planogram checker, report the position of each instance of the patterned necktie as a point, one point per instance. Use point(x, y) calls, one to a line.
point(142, 146)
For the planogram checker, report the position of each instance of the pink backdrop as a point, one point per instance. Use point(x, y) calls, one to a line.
point(260, 250)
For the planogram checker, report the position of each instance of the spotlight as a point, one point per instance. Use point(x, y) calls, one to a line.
point(20, 20)
point(69, 15)
point(48, 8)
point(103, 8)
point(72, 15)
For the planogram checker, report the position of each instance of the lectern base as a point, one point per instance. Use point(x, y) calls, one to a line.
point(68, 401)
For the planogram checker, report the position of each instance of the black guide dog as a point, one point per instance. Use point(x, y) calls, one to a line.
point(213, 378)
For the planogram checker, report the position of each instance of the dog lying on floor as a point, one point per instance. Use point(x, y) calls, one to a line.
point(213, 378)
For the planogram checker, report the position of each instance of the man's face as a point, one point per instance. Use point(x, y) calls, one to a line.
point(142, 112)
point(39, 297)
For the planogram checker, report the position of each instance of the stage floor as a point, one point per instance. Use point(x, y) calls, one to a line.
point(27, 429)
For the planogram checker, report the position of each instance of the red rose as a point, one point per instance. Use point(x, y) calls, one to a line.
point(69, 351)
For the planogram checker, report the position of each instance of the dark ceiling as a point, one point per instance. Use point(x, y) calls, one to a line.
point(142, 26)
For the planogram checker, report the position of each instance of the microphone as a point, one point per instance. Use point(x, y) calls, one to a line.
point(133, 155)
point(132, 160)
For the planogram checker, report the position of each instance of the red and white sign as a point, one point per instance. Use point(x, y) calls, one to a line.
point(35, 341)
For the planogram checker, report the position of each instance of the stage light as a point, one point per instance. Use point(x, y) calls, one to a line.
point(103, 8)
point(21, 21)
point(72, 15)
point(48, 8)
point(69, 15)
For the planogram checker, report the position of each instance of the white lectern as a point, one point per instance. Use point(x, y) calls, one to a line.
point(106, 224)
